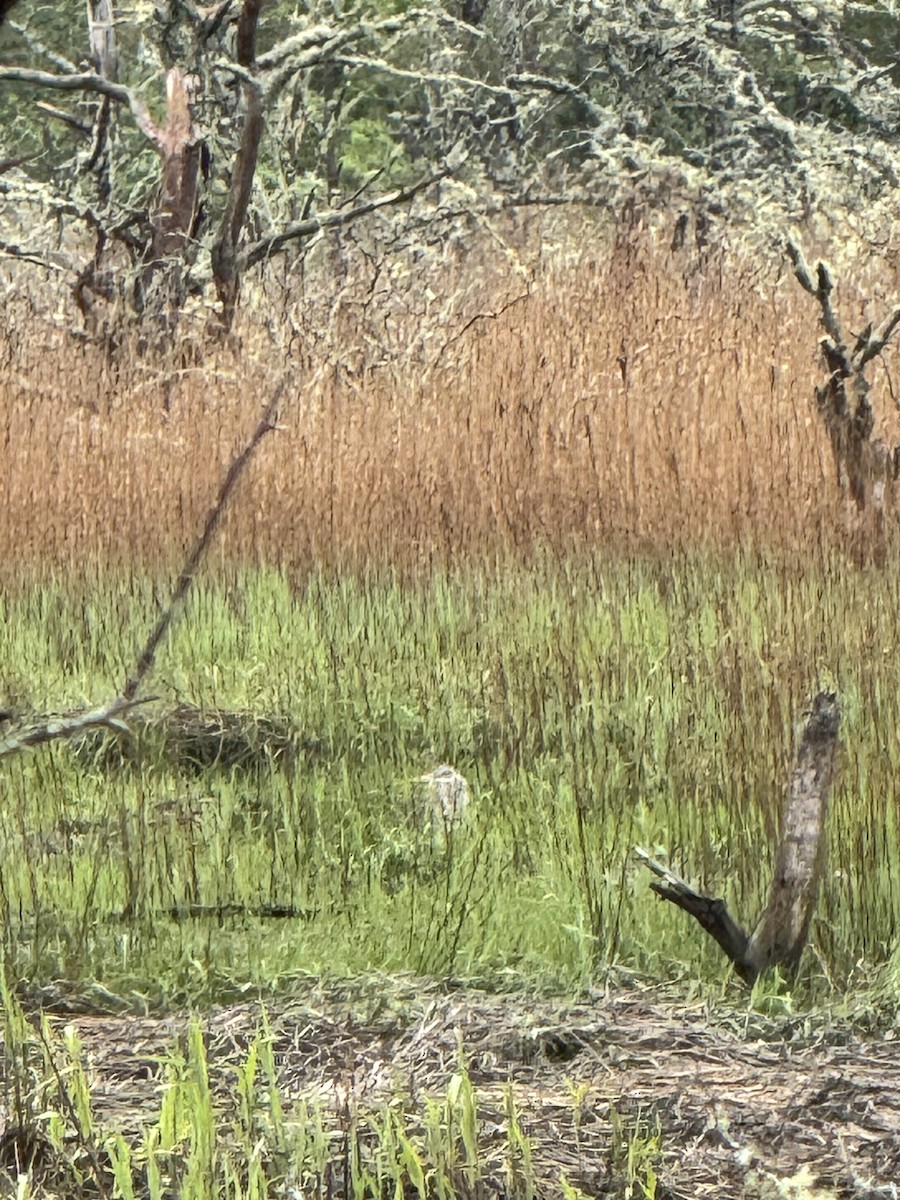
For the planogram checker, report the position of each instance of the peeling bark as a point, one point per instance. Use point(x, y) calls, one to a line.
point(780, 936)
point(163, 285)
point(180, 147)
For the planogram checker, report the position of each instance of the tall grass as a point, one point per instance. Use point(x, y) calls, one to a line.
point(591, 704)
point(583, 544)
point(627, 397)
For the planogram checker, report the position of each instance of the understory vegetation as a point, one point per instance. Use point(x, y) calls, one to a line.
point(590, 554)
point(568, 524)
point(276, 825)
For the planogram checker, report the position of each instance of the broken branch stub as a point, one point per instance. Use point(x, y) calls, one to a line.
point(866, 468)
point(781, 932)
point(780, 936)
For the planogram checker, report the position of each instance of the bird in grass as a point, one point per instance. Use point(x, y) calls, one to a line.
point(447, 798)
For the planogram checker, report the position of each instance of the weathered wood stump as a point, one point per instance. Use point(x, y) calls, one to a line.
point(781, 932)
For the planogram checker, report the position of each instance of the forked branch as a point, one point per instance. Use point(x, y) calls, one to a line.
point(781, 932)
point(865, 467)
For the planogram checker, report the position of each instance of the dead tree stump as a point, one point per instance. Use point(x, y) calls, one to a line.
point(781, 932)
point(866, 468)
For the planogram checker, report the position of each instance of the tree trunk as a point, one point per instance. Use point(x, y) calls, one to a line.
point(174, 224)
point(224, 253)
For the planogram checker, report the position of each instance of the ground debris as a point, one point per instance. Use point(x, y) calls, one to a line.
point(740, 1112)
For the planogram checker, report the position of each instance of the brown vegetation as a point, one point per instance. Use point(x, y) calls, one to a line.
point(748, 1105)
point(635, 397)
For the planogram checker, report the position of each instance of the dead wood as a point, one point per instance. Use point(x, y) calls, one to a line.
point(866, 469)
point(780, 935)
point(176, 221)
point(226, 273)
point(711, 912)
point(109, 716)
point(197, 554)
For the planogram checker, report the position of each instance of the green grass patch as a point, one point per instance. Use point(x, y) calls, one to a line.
point(592, 703)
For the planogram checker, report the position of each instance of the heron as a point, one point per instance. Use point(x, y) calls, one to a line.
point(448, 797)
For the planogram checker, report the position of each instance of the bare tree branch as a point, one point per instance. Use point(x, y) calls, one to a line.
point(60, 114)
point(266, 247)
point(36, 257)
point(186, 578)
point(873, 346)
point(84, 81)
point(58, 60)
point(109, 716)
point(710, 912)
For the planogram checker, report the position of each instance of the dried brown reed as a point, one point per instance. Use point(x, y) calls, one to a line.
point(630, 396)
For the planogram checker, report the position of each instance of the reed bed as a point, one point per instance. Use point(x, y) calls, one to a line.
point(569, 526)
point(628, 397)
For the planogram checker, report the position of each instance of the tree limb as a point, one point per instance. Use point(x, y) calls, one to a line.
point(85, 81)
point(873, 346)
point(71, 725)
point(36, 257)
point(711, 912)
point(60, 114)
point(39, 47)
point(266, 247)
point(109, 716)
point(186, 578)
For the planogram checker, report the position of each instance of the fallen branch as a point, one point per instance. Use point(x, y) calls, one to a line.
point(186, 578)
point(711, 912)
point(781, 932)
point(109, 716)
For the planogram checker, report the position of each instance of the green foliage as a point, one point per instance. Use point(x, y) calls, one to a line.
point(636, 1153)
point(592, 707)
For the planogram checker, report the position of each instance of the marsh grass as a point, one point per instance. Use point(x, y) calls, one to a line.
point(571, 529)
point(591, 703)
point(623, 396)
point(233, 1128)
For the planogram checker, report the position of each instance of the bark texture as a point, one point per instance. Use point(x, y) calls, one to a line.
point(226, 271)
point(781, 933)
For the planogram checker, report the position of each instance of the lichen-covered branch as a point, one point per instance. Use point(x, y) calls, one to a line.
point(258, 251)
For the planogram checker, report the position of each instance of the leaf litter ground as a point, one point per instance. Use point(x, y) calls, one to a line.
point(747, 1105)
